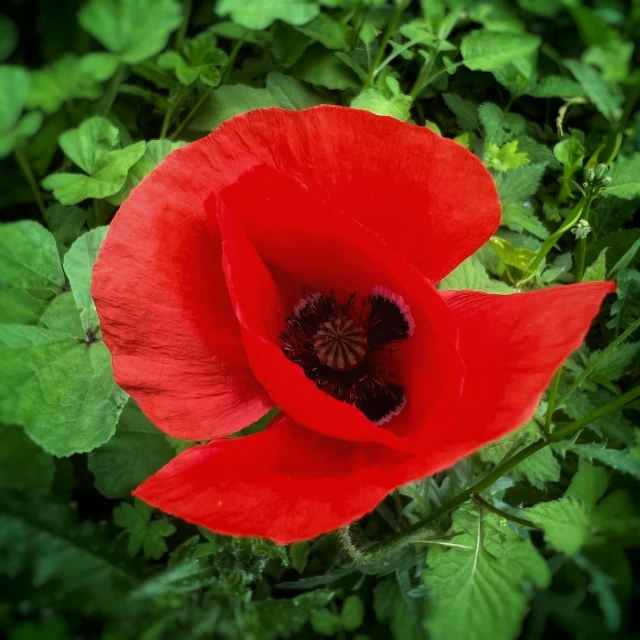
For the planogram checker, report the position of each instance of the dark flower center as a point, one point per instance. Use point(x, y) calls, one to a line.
point(346, 351)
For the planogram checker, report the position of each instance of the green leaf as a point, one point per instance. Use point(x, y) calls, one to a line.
point(471, 274)
point(44, 543)
point(505, 157)
point(22, 463)
point(200, 59)
point(484, 50)
point(598, 270)
point(606, 96)
point(538, 468)
point(66, 224)
point(390, 605)
point(323, 68)
point(625, 178)
point(520, 184)
point(329, 32)
point(78, 265)
point(289, 93)
point(133, 29)
point(59, 388)
point(30, 271)
point(14, 89)
point(70, 77)
point(325, 623)
point(512, 255)
point(465, 111)
point(588, 485)
point(391, 102)
point(352, 613)
point(475, 589)
point(229, 101)
point(619, 459)
point(565, 523)
point(93, 147)
point(257, 14)
point(557, 87)
point(144, 534)
point(614, 362)
point(62, 316)
point(520, 217)
point(499, 127)
point(136, 452)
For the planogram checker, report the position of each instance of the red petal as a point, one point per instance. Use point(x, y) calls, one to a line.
point(429, 198)
point(272, 226)
point(511, 346)
point(285, 483)
point(165, 311)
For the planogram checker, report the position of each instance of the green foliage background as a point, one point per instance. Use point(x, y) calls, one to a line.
point(534, 535)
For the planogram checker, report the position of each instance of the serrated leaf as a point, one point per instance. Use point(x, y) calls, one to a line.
point(520, 184)
point(611, 365)
point(597, 271)
point(619, 459)
point(78, 265)
point(520, 217)
point(512, 255)
point(505, 157)
point(565, 523)
point(329, 32)
point(136, 452)
point(59, 388)
point(475, 590)
point(484, 50)
point(625, 178)
point(390, 605)
point(290, 93)
point(70, 77)
point(471, 274)
point(22, 463)
point(538, 468)
point(323, 68)
point(30, 271)
point(499, 127)
point(62, 316)
point(133, 29)
point(465, 111)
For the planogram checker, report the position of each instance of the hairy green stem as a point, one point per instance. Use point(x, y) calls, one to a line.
point(398, 540)
point(401, 5)
point(23, 162)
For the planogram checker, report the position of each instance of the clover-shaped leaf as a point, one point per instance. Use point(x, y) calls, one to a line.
point(258, 14)
point(133, 29)
point(200, 59)
point(93, 146)
point(14, 89)
point(70, 77)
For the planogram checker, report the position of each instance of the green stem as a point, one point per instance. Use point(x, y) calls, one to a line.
point(503, 514)
point(205, 94)
point(575, 215)
point(184, 25)
point(401, 5)
point(582, 244)
point(410, 533)
point(112, 90)
point(23, 161)
point(420, 83)
point(553, 399)
point(167, 118)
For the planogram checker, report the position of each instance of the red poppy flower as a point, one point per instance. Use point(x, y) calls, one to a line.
point(289, 259)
